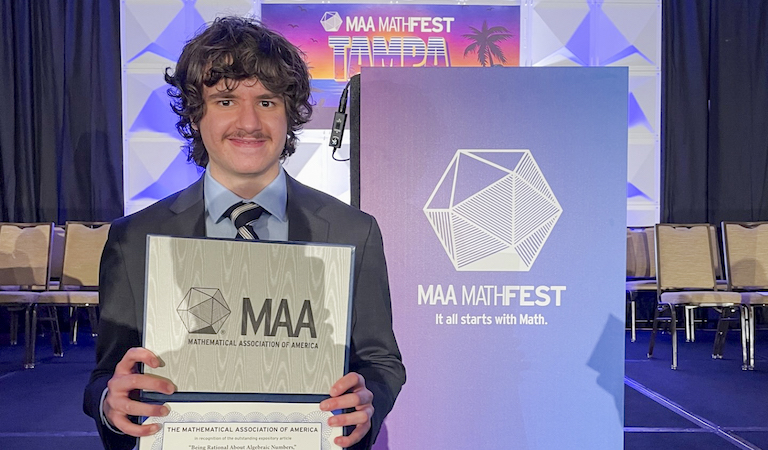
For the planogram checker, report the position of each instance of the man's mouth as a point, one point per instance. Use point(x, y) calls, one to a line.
point(248, 140)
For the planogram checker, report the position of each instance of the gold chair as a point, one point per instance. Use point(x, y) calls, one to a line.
point(685, 272)
point(25, 258)
point(83, 245)
point(644, 278)
point(745, 246)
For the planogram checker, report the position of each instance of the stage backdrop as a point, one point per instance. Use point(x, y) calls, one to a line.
point(501, 194)
point(543, 33)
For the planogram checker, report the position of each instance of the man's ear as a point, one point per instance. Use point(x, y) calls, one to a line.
point(194, 126)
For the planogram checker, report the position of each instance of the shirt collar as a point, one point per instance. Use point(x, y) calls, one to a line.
point(272, 198)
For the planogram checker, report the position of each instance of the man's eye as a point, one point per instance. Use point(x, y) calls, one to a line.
point(225, 102)
point(267, 103)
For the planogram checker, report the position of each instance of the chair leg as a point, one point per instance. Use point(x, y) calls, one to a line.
point(654, 330)
point(751, 326)
point(14, 327)
point(58, 349)
point(690, 322)
point(745, 338)
point(630, 296)
point(633, 316)
point(723, 325)
point(73, 324)
point(673, 330)
point(693, 324)
point(93, 319)
point(30, 334)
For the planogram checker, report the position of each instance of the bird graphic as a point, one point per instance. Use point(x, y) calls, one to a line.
point(302, 9)
point(313, 39)
point(293, 26)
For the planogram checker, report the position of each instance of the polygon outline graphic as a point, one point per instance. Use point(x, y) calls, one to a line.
point(501, 227)
point(203, 310)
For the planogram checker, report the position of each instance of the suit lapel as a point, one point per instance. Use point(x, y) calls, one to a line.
point(189, 213)
point(302, 209)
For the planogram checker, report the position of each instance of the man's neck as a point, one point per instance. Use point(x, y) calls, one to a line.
point(247, 186)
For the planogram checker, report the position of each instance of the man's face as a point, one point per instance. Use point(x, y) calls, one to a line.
point(244, 131)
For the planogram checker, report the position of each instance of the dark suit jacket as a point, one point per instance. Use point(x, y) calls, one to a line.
point(313, 217)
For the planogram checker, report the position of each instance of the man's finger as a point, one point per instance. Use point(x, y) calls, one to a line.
point(354, 437)
point(126, 426)
point(124, 406)
point(347, 382)
point(133, 356)
point(349, 400)
point(352, 418)
point(121, 386)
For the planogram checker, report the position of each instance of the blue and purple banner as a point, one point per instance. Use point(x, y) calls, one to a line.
point(501, 194)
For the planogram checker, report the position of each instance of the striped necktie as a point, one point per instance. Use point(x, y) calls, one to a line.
point(242, 214)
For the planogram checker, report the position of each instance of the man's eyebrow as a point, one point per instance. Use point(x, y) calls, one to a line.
point(269, 96)
point(229, 95)
point(221, 94)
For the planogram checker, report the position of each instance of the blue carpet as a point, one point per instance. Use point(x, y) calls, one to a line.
point(726, 404)
point(43, 406)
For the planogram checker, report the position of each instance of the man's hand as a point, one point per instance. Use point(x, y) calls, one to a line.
point(118, 405)
point(350, 392)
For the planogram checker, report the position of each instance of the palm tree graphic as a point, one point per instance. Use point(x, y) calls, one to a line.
point(485, 43)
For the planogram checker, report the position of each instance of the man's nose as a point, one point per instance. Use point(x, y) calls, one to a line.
point(249, 119)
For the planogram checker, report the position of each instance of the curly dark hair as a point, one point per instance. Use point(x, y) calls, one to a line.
point(236, 49)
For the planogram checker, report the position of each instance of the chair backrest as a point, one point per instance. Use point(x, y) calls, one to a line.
point(746, 254)
point(716, 255)
point(57, 252)
point(650, 238)
point(25, 254)
point(640, 263)
point(83, 245)
point(684, 257)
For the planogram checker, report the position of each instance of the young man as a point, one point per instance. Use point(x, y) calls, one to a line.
point(241, 93)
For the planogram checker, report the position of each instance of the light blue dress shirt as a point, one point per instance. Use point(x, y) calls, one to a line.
point(271, 227)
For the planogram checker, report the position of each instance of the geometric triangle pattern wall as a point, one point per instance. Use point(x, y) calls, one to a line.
point(612, 33)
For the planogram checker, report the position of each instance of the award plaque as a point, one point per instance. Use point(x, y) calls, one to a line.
point(263, 326)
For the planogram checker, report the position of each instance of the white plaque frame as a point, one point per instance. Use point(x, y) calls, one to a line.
point(295, 300)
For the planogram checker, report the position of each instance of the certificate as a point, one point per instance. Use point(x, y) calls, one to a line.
point(242, 426)
point(243, 317)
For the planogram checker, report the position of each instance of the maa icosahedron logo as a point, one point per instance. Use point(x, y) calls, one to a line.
point(331, 21)
point(492, 210)
point(203, 310)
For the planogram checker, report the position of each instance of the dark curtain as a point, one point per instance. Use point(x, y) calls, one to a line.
point(60, 111)
point(714, 111)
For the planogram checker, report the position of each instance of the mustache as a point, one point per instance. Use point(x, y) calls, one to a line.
point(243, 134)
